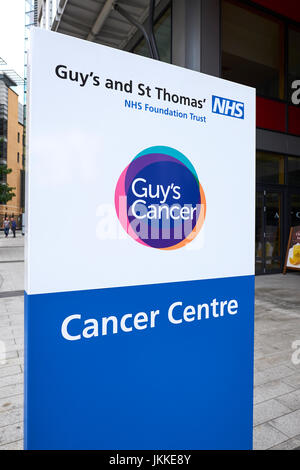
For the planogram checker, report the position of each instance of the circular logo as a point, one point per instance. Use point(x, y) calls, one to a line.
point(159, 200)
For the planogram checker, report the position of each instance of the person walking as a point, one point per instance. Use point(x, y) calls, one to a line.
point(13, 225)
point(6, 226)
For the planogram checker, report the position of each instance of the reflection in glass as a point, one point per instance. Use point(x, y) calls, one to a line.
point(268, 231)
point(295, 209)
point(272, 231)
point(253, 50)
point(269, 168)
point(259, 233)
point(162, 30)
point(294, 171)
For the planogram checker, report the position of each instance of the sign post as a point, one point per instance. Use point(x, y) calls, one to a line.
point(139, 253)
point(292, 257)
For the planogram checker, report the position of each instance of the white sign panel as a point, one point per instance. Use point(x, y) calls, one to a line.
point(139, 250)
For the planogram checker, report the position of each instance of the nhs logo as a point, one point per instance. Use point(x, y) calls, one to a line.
point(227, 107)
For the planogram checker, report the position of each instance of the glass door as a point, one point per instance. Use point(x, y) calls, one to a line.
point(294, 208)
point(268, 231)
point(259, 233)
point(272, 234)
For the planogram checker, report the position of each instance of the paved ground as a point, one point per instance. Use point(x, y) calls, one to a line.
point(277, 378)
point(11, 334)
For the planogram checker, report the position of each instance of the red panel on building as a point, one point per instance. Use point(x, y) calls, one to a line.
point(270, 114)
point(294, 120)
point(288, 8)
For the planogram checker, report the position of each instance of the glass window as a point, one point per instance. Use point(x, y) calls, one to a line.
point(259, 232)
point(294, 171)
point(253, 50)
point(18, 136)
point(272, 230)
point(269, 168)
point(294, 209)
point(3, 149)
point(3, 127)
point(18, 157)
point(162, 30)
point(294, 59)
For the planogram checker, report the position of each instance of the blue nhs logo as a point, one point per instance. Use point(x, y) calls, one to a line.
point(227, 107)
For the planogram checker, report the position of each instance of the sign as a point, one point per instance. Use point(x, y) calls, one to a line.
point(139, 253)
point(292, 259)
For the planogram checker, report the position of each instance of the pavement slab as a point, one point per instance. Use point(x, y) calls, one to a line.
point(268, 410)
point(288, 424)
point(265, 436)
point(290, 444)
point(291, 400)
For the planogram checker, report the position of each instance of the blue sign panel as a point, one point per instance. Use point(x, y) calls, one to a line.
point(165, 366)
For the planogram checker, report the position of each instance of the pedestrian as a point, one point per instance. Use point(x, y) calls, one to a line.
point(13, 225)
point(6, 226)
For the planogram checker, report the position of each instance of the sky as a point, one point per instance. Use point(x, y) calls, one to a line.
point(12, 20)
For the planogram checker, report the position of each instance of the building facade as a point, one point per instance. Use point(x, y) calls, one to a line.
point(256, 43)
point(46, 12)
point(11, 149)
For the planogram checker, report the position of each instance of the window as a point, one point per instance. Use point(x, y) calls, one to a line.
point(162, 30)
point(253, 49)
point(269, 168)
point(3, 127)
point(18, 136)
point(3, 149)
point(294, 209)
point(18, 157)
point(294, 171)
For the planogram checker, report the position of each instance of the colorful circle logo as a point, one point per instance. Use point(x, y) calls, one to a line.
point(159, 200)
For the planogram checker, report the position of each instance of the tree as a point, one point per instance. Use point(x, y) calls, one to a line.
point(6, 191)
